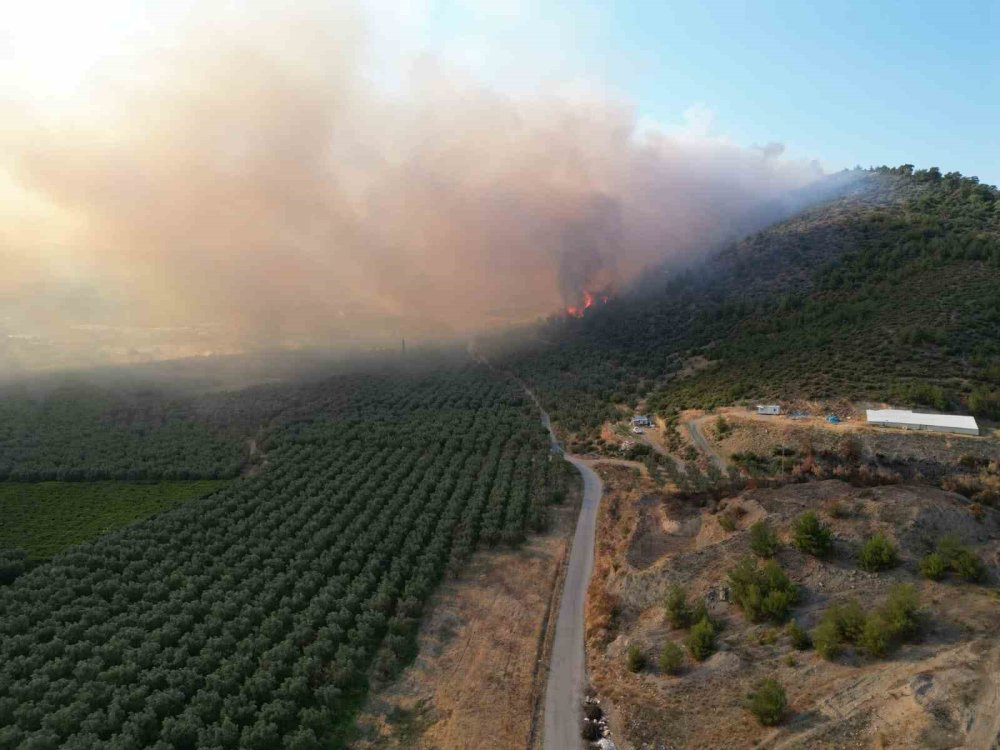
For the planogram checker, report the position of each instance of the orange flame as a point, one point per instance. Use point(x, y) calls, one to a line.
point(588, 302)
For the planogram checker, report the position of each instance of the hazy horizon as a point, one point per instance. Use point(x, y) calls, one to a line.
point(182, 181)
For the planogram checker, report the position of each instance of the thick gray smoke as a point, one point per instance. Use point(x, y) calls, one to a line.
point(252, 186)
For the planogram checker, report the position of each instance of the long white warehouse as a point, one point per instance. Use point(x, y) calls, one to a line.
point(911, 420)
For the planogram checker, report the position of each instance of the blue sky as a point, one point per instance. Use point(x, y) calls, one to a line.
point(843, 82)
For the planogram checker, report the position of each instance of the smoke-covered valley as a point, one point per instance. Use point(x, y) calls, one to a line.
point(247, 181)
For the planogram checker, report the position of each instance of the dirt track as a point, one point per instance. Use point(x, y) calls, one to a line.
point(694, 429)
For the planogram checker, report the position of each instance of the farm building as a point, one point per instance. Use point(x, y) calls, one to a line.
point(769, 409)
point(911, 420)
point(641, 420)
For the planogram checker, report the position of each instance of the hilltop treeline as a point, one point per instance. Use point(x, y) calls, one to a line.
point(889, 292)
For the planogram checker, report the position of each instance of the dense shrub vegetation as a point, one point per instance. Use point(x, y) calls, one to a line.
point(952, 555)
point(256, 617)
point(903, 266)
point(876, 632)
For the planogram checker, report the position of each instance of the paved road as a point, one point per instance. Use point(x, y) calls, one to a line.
point(699, 440)
point(568, 670)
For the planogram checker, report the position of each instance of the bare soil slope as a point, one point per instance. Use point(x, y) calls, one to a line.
point(942, 691)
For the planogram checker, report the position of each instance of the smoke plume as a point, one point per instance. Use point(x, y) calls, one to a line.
point(255, 186)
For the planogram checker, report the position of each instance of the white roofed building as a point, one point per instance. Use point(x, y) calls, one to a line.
point(911, 420)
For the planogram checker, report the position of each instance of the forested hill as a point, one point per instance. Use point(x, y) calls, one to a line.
point(891, 291)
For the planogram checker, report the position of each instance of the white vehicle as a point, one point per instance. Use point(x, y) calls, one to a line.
point(637, 430)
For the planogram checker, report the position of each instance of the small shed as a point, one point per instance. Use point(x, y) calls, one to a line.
point(910, 420)
point(641, 420)
point(768, 409)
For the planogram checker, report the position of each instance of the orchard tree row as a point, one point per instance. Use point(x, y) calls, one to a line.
point(257, 617)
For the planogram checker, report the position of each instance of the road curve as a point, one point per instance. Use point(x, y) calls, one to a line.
point(698, 438)
point(567, 667)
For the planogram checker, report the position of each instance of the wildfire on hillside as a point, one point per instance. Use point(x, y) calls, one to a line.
point(589, 300)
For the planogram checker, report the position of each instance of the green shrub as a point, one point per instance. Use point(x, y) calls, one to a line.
point(958, 557)
point(727, 521)
point(700, 641)
point(984, 402)
point(635, 660)
point(798, 636)
point(676, 607)
point(933, 566)
point(700, 612)
point(811, 536)
point(900, 611)
point(949, 546)
point(768, 702)
point(671, 658)
point(877, 553)
point(721, 426)
point(875, 636)
point(969, 566)
point(763, 592)
point(763, 540)
point(826, 639)
point(850, 619)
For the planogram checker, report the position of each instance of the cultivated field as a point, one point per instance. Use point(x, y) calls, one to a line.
point(48, 517)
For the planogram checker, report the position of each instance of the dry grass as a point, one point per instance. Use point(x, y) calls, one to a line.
point(476, 680)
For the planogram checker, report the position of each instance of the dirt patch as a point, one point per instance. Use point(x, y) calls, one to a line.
point(477, 678)
point(941, 691)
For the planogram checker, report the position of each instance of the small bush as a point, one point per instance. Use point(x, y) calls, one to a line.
point(676, 607)
point(592, 711)
point(700, 612)
point(877, 553)
point(763, 592)
point(727, 521)
point(969, 566)
point(900, 611)
point(933, 566)
point(721, 426)
point(635, 660)
point(798, 636)
point(811, 536)
point(768, 702)
point(700, 641)
point(958, 557)
point(850, 619)
point(949, 546)
point(589, 731)
point(763, 540)
point(875, 636)
point(671, 658)
point(826, 639)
